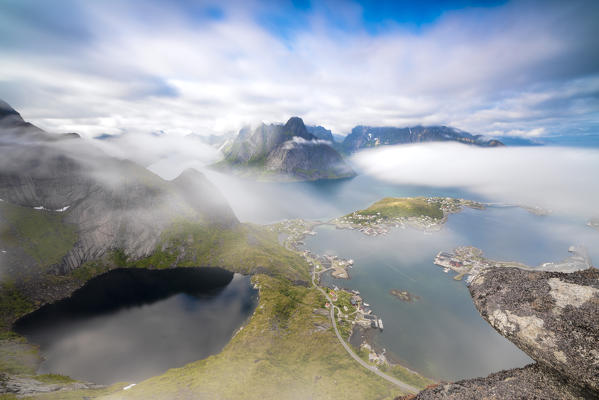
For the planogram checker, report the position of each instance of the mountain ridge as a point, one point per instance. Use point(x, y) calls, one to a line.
point(363, 136)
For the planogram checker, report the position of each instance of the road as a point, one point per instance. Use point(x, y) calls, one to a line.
point(402, 385)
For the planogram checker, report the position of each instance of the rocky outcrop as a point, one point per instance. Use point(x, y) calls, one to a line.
point(284, 152)
point(368, 136)
point(530, 382)
point(320, 132)
point(552, 316)
point(28, 386)
point(308, 160)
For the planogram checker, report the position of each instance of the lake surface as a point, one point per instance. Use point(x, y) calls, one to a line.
point(128, 325)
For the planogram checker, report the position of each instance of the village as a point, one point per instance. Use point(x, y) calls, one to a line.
point(375, 223)
point(468, 260)
point(350, 308)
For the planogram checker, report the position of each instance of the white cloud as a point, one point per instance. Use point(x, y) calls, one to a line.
point(518, 67)
point(296, 140)
point(560, 179)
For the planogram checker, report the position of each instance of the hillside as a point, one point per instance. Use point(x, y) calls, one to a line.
point(69, 212)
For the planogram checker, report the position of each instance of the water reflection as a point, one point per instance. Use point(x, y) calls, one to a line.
point(161, 320)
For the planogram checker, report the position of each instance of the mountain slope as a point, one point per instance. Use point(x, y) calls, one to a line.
point(367, 136)
point(287, 152)
point(64, 204)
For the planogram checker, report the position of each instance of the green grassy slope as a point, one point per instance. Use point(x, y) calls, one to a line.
point(392, 207)
point(41, 234)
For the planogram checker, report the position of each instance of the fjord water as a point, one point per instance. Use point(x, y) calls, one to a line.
point(440, 335)
point(128, 325)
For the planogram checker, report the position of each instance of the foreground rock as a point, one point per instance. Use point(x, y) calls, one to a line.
point(553, 317)
point(530, 382)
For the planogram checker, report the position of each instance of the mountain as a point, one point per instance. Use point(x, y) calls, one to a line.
point(368, 136)
point(284, 152)
point(14, 128)
point(65, 203)
point(321, 133)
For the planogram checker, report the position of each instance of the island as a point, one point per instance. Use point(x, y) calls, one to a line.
point(404, 295)
point(423, 213)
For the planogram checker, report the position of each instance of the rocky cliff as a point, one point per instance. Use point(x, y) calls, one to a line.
point(552, 316)
point(284, 152)
point(99, 203)
point(320, 132)
point(367, 136)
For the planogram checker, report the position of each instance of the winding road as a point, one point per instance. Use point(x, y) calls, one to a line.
point(402, 385)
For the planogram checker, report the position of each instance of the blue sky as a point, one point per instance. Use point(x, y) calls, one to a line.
point(492, 67)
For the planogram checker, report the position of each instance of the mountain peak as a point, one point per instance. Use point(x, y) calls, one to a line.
point(6, 110)
point(295, 127)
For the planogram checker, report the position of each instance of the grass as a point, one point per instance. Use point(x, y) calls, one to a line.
point(12, 303)
point(42, 235)
point(16, 355)
point(54, 378)
point(393, 207)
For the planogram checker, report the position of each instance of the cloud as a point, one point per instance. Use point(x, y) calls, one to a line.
point(142, 67)
point(166, 155)
point(296, 140)
point(560, 179)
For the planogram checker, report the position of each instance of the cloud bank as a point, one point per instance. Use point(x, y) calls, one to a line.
point(521, 68)
point(563, 180)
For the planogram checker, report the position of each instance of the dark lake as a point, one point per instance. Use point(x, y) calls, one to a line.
point(131, 324)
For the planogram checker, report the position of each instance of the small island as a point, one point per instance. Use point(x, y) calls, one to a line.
point(404, 295)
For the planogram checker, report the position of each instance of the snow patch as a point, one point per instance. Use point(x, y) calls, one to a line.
point(129, 386)
point(63, 209)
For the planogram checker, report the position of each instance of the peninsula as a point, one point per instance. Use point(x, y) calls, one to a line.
point(423, 213)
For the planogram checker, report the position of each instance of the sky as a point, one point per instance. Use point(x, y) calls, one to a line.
point(523, 68)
